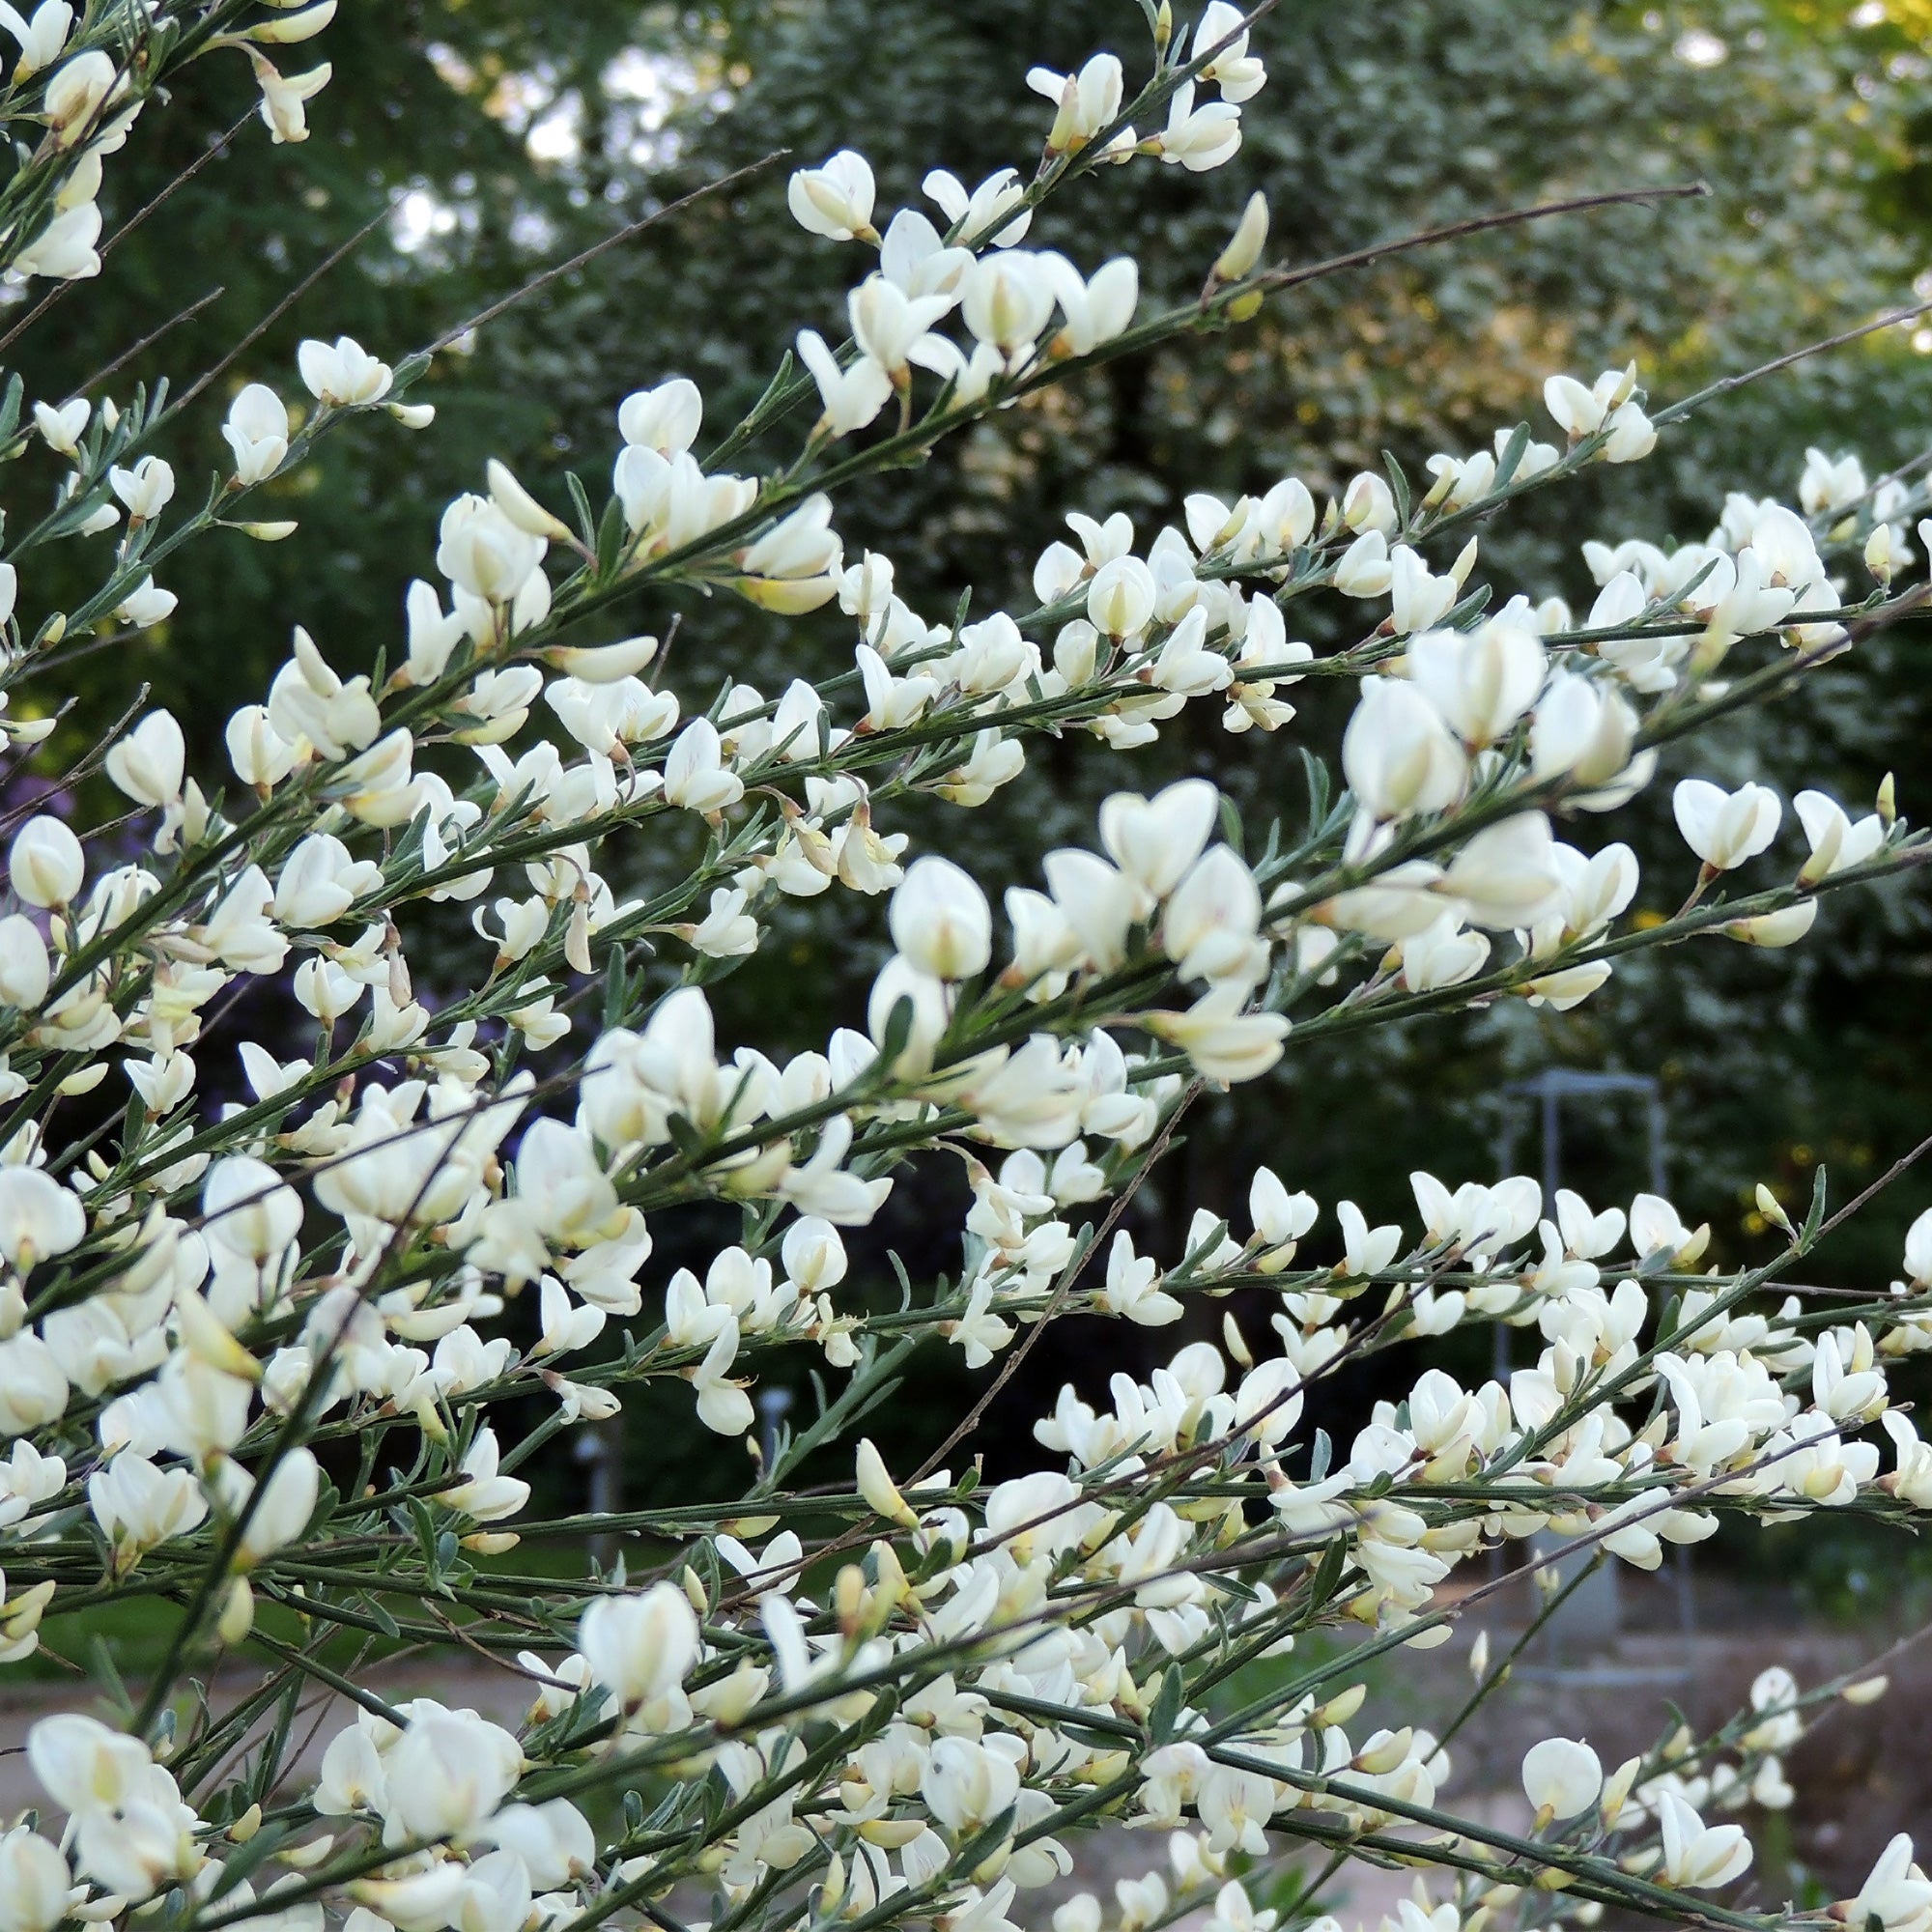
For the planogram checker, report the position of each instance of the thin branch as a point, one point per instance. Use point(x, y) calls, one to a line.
point(586, 255)
point(341, 253)
point(89, 762)
point(149, 340)
point(1726, 383)
point(1878, 1187)
point(218, 148)
point(1477, 224)
point(1062, 1289)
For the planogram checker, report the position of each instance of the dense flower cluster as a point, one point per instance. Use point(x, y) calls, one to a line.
point(255, 1356)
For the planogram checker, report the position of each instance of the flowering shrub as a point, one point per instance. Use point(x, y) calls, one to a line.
point(259, 1360)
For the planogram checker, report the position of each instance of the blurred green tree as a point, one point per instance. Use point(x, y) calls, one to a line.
point(1803, 122)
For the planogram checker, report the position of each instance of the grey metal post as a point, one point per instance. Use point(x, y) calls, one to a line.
point(1552, 1147)
point(774, 1404)
point(600, 1448)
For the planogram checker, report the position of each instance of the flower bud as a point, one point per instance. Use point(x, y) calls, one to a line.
point(209, 1343)
point(1244, 246)
point(1772, 929)
point(297, 27)
point(1340, 1708)
point(519, 506)
point(603, 663)
point(238, 1612)
point(1769, 1205)
point(24, 969)
point(45, 863)
point(876, 1486)
point(282, 1506)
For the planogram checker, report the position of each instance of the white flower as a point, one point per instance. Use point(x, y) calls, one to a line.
point(1087, 102)
point(1896, 1893)
point(146, 489)
point(78, 91)
point(1725, 828)
point(1155, 840)
point(1481, 681)
point(1240, 75)
point(940, 920)
point(146, 606)
point(638, 1647)
point(891, 326)
point(836, 199)
point(1369, 504)
point(250, 1214)
point(25, 971)
point(1836, 842)
point(284, 102)
point(1561, 1779)
point(1507, 875)
point(1096, 309)
point(39, 1218)
point(1198, 138)
point(695, 776)
point(448, 1772)
point(1582, 413)
point(34, 1877)
point(1212, 921)
point(1224, 1042)
point(62, 428)
point(1007, 301)
point(851, 396)
point(913, 257)
point(666, 419)
point(42, 37)
point(342, 373)
point(1587, 728)
point(1918, 1251)
point(483, 553)
point(483, 1494)
point(282, 1507)
point(967, 1784)
point(46, 864)
point(1697, 1856)
point(1397, 753)
point(257, 431)
point(793, 567)
point(139, 1505)
point(1120, 598)
point(1442, 955)
point(147, 763)
point(985, 217)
